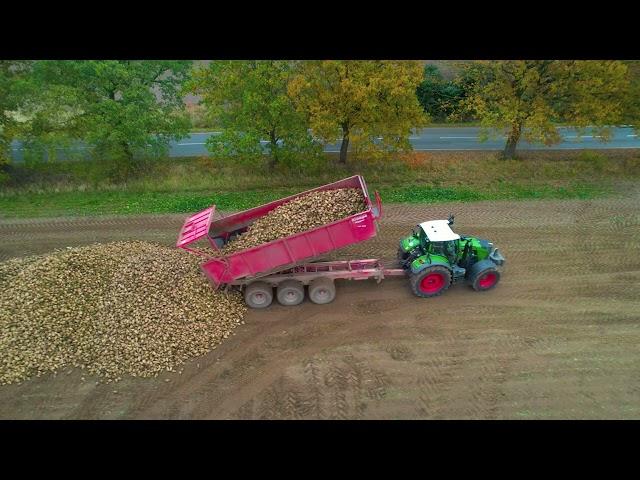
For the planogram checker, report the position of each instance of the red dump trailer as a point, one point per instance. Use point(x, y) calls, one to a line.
point(286, 264)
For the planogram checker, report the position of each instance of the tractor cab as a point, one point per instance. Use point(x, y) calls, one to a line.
point(434, 237)
point(438, 238)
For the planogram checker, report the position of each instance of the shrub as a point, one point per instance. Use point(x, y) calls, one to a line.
point(596, 160)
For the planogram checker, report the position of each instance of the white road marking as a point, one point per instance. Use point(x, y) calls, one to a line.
point(632, 135)
point(194, 143)
point(458, 137)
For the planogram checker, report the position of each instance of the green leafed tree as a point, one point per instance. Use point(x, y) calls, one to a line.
point(439, 97)
point(250, 103)
point(13, 90)
point(631, 113)
point(526, 97)
point(355, 102)
point(123, 109)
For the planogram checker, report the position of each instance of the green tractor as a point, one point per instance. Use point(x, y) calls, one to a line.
point(434, 257)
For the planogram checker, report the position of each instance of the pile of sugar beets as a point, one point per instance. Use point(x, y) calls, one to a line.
point(132, 308)
point(303, 213)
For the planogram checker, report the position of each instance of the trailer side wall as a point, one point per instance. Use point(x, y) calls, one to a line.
point(286, 252)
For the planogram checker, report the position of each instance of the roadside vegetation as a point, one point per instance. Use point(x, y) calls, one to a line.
point(187, 184)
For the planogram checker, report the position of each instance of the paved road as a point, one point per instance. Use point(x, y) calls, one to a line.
point(433, 139)
point(457, 138)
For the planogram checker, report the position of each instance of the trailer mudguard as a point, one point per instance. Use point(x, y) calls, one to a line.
point(428, 260)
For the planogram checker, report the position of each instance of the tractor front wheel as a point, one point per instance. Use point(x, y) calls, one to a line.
point(484, 276)
point(486, 280)
point(431, 282)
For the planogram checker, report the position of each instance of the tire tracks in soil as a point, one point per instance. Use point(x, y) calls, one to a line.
point(564, 318)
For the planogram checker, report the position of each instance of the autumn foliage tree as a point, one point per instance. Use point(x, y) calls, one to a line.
point(355, 102)
point(526, 97)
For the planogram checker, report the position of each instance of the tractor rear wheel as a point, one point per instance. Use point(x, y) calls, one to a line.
point(290, 292)
point(431, 282)
point(322, 290)
point(258, 295)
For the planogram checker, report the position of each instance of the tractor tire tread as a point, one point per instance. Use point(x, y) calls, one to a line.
point(416, 278)
point(478, 270)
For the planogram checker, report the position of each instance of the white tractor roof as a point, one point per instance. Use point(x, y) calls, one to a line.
point(439, 231)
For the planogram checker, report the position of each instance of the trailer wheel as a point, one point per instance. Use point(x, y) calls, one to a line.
point(290, 292)
point(258, 295)
point(431, 281)
point(322, 290)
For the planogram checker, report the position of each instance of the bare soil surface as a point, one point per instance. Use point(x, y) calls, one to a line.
point(557, 338)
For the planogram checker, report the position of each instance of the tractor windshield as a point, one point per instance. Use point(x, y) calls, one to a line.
point(420, 234)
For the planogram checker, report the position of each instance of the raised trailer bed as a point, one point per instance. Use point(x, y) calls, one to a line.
point(281, 253)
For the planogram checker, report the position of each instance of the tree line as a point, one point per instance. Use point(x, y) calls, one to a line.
point(125, 110)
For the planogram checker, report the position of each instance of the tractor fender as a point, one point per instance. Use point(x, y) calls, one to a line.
point(429, 261)
point(478, 267)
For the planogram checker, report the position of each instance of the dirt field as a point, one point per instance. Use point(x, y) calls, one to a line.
point(558, 337)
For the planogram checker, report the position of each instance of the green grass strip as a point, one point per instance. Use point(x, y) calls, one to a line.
point(123, 202)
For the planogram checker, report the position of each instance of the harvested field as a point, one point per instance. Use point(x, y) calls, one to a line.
point(123, 308)
point(558, 337)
